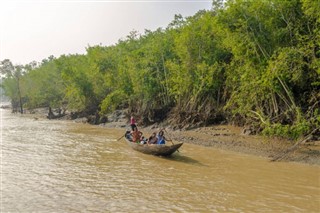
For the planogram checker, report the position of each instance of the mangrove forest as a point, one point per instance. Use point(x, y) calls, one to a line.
point(243, 62)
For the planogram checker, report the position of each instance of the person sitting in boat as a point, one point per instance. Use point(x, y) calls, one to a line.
point(136, 135)
point(153, 138)
point(160, 138)
point(128, 134)
point(143, 140)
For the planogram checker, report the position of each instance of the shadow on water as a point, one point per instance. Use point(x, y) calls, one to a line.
point(184, 159)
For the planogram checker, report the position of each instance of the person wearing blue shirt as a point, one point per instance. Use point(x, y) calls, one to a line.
point(161, 138)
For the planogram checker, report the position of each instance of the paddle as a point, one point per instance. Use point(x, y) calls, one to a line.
point(169, 136)
point(120, 137)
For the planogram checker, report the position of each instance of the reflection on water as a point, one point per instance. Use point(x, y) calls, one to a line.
point(60, 166)
point(184, 159)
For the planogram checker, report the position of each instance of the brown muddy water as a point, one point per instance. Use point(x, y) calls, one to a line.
point(62, 166)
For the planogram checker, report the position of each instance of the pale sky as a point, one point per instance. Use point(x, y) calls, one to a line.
point(34, 30)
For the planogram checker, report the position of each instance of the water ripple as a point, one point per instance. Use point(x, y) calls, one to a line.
point(59, 166)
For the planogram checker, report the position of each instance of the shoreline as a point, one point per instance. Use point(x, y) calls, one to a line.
point(225, 137)
point(230, 138)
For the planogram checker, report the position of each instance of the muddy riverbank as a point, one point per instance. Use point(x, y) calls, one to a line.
point(225, 137)
point(233, 138)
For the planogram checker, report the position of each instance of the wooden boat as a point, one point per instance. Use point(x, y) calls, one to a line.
point(153, 149)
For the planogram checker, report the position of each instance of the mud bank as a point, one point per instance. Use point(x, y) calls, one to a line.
point(225, 137)
point(231, 138)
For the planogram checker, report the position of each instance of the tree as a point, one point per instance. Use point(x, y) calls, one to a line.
point(12, 82)
point(44, 86)
point(79, 92)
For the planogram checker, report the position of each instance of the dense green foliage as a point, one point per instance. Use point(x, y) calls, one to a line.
point(249, 62)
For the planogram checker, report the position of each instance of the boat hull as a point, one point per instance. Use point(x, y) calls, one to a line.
point(154, 149)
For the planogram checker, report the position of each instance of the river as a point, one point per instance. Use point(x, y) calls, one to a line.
point(63, 166)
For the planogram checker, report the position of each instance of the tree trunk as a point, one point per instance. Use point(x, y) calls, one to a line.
point(20, 99)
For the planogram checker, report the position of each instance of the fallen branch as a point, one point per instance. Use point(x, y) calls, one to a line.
point(294, 147)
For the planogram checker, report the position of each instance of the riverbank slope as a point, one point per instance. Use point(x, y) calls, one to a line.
point(232, 138)
point(225, 137)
